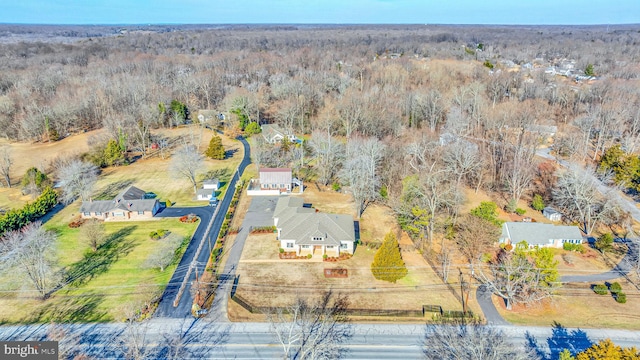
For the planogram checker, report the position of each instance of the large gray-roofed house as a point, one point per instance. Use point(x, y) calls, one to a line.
point(539, 234)
point(303, 230)
point(130, 204)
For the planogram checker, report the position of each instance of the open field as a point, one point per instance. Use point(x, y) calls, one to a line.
point(579, 306)
point(150, 174)
point(108, 283)
point(266, 280)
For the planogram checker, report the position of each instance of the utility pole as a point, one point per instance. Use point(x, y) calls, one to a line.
point(464, 308)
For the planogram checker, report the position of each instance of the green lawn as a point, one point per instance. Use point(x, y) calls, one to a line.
point(106, 283)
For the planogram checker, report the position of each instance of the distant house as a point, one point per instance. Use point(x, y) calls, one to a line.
point(552, 214)
point(130, 204)
point(274, 134)
point(305, 231)
point(209, 116)
point(539, 234)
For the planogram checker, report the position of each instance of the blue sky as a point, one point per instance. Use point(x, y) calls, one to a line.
point(320, 11)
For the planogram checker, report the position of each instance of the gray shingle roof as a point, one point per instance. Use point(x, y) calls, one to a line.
point(538, 233)
point(131, 199)
point(303, 224)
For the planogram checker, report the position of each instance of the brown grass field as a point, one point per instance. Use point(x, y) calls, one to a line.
point(265, 280)
point(150, 174)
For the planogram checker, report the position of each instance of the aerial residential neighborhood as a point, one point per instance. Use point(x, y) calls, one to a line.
point(262, 189)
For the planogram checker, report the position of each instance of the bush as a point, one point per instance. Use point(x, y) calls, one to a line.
point(325, 256)
point(520, 211)
point(76, 223)
point(309, 256)
point(601, 289)
point(168, 203)
point(387, 263)
point(15, 219)
point(335, 186)
point(621, 297)
point(574, 247)
point(281, 250)
point(615, 288)
point(537, 203)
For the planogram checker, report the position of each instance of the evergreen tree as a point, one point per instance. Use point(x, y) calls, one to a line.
point(34, 181)
point(252, 128)
point(387, 264)
point(537, 203)
point(215, 149)
point(606, 349)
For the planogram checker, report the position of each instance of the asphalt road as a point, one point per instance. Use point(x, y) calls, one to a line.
point(203, 339)
point(165, 307)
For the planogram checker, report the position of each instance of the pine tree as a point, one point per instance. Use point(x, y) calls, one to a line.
point(215, 150)
point(387, 264)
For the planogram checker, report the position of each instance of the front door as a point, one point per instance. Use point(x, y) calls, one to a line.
point(317, 248)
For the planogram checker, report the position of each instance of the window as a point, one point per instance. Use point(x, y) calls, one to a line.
point(306, 246)
point(330, 247)
point(86, 213)
point(316, 238)
point(344, 245)
point(289, 245)
point(117, 214)
point(140, 212)
point(98, 213)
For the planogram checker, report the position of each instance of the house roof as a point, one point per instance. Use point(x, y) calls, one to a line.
point(131, 193)
point(271, 130)
point(302, 224)
point(275, 176)
point(200, 192)
point(130, 199)
point(538, 233)
point(549, 210)
point(211, 182)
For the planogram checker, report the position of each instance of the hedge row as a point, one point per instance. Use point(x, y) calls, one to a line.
point(15, 219)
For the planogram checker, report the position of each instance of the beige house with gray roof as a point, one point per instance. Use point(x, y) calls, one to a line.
point(306, 231)
point(130, 204)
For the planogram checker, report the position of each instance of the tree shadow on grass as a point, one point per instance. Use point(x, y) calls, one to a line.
point(70, 309)
point(98, 262)
point(575, 341)
point(113, 189)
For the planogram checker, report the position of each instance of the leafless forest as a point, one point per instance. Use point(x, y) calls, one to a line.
point(402, 114)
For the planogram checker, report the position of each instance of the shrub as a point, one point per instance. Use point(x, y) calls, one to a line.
point(76, 223)
point(520, 211)
point(574, 247)
point(600, 289)
point(487, 210)
point(537, 203)
point(621, 297)
point(309, 256)
point(15, 219)
point(325, 256)
point(615, 288)
point(168, 203)
point(335, 186)
point(281, 250)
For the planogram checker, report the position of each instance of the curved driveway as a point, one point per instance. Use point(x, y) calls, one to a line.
point(165, 307)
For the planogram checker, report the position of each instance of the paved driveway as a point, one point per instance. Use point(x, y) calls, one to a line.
point(260, 213)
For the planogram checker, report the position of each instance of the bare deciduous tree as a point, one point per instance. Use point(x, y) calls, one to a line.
point(329, 152)
point(474, 236)
point(5, 164)
point(29, 251)
point(470, 342)
point(164, 252)
point(312, 330)
point(514, 278)
point(77, 179)
point(92, 232)
point(187, 162)
point(360, 170)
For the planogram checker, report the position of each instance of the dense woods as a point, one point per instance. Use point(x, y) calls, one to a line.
point(406, 115)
